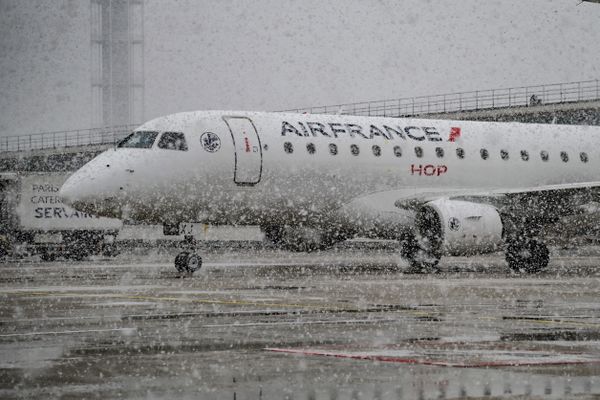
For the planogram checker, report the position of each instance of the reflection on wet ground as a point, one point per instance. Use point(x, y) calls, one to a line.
point(346, 324)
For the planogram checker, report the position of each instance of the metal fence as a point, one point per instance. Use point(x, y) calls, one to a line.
point(62, 139)
point(466, 101)
point(402, 107)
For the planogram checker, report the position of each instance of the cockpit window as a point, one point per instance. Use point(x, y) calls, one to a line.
point(139, 140)
point(173, 141)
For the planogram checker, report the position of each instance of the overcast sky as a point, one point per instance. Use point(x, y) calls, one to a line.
point(272, 55)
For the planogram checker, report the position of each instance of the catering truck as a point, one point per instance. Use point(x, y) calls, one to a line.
point(33, 220)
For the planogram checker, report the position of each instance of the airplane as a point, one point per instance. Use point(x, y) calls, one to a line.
point(439, 187)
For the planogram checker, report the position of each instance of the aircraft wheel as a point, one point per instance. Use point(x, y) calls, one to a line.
point(187, 262)
point(274, 234)
point(48, 256)
point(4, 246)
point(423, 264)
point(419, 257)
point(531, 256)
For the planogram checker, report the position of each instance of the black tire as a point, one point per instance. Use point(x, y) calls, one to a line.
point(419, 265)
point(48, 256)
point(181, 261)
point(187, 262)
point(110, 250)
point(4, 246)
point(194, 263)
point(77, 255)
point(420, 260)
point(530, 256)
point(274, 234)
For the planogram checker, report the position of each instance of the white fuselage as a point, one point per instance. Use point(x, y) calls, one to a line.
point(256, 168)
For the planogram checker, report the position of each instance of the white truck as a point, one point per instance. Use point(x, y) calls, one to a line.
point(33, 220)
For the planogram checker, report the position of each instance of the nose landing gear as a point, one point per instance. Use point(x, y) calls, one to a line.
point(188, 262)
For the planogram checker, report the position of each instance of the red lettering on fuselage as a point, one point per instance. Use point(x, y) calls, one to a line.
point(454, 134)
point(428, 170)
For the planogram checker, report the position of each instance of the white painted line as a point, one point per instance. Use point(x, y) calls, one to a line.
point(67, 332)
point(339, 322)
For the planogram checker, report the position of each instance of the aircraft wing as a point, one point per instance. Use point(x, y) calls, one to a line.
point(547, 201)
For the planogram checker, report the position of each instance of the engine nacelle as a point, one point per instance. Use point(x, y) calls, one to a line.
point(457, 227)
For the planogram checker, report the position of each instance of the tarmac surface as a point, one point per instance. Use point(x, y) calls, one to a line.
point(348, 323)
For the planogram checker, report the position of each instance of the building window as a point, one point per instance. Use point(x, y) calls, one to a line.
point(524, 155)
point(333, 149)
point(484, 154)
point(376, 151)
point(460, 153)
point(288, 148)
point(564, 156)
point(544, 155)
point(584, 157)
point(504, 154)
point(354, 149)
point(439, 152)
point(311, 148)
point(419, 151)
point(397, 151)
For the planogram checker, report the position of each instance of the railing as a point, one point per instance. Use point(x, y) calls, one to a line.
point(403, 107)
point(466, 101)
point(62, 139)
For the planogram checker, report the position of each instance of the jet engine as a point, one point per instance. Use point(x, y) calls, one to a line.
point(456, 227)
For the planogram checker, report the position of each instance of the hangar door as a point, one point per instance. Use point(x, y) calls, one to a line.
point(248, 151)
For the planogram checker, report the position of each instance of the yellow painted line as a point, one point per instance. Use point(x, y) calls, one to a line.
point(175, 299)
point(556, 321)
point(333, 307)
point(228, 302)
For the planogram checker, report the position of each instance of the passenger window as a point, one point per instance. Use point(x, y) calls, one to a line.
point(288, 148)
point(397, 151)
point(524, 155)
point(139, 140)
point(484, 154)
point(354, 149)
point(419, 151)
point(544, 155)
point(333, 149)
point(439, 152)
point(504, 154)
point(584, 157)
point(564, 156)
point(376, 151)
point(460, 153)
point(311, 148)
point(172, 141)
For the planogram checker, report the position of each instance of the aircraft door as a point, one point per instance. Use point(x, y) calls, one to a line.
point(248, 150)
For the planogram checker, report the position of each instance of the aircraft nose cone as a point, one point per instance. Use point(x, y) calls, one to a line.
point(69, 193)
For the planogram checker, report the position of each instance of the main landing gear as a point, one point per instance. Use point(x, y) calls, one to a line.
point(187, 262)
point(528, 255)
point(525, 251)
point(422, 255)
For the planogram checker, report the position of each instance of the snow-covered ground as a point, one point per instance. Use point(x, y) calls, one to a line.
point(350, 322)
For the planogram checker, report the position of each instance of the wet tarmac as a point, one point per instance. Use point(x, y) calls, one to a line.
point(350, 323)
